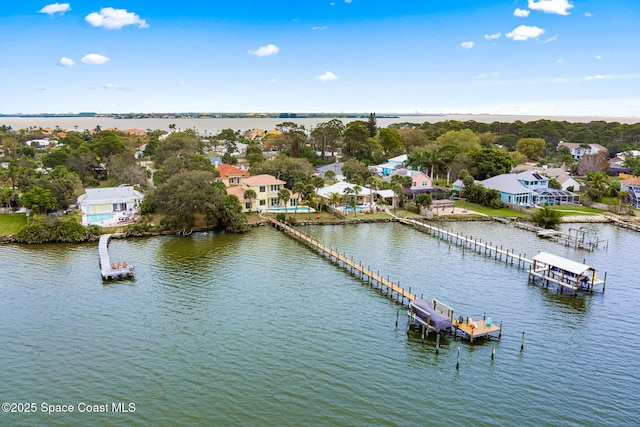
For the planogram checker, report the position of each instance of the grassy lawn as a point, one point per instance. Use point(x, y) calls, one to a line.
point(504, 212)
point(576, 210)
point(11, 224)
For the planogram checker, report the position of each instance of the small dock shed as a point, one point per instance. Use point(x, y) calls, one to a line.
point(566, 273)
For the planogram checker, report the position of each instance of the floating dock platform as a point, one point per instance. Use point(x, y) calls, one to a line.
point(434, 316)
point(111, 270)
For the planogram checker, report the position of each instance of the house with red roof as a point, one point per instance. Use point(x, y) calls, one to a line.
point(230, 175)
point(267, 189)
point(632, 186)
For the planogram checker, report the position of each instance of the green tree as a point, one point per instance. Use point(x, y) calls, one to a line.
point(230, 215)
point(283, 167)
point(423, 200)
point(372, 125)
point(250, 195)
point(353, 167)
point(488, 162)
point(294, 137)
point(391, 142)
point(465, 140)
point(596, 185)
point(546, 217)
point(327, 137)
point(531, 147)
point(284, 196)
point(39, 200)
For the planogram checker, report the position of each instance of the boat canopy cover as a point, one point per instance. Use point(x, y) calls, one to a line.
point(424, 308)
point(562, 263)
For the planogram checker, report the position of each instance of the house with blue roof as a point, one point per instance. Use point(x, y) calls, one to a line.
point(526, 188)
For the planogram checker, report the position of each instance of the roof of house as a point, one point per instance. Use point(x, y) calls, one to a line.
point(215, 160)
point(631, 181)
point(506, 183)
point(339, 188)
point(262, 179)
point(123, 193)
point(399, 159)
point(227, 170)
point(574, 145)
point(237, 191)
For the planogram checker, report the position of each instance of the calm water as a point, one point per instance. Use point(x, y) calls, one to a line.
point(213, 126)
point(256, 329)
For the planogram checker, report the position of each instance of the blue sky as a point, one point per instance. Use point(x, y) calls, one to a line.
point(552, 57)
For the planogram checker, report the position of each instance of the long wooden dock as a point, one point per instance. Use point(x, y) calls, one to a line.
point(393, 290)
point(386, 286)
point(108, 269)
point(474, 244)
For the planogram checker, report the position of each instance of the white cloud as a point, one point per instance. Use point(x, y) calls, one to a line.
point(560, 60)
point(521, 13)
point(492, 36)
point(273, 81)
point(466, 45)
point(113, 86)
point(53, 8)
point(66, 62)
point(525, 32)
point(181, 83)
point(588, 14)
point(598, 57)
point(550, 39)
point(599, 77)
point(559, 7)
point(94, 58)
point(270, 49)
point(347, 1)
point(324, 27)
point(326, 77)
point(114, 19)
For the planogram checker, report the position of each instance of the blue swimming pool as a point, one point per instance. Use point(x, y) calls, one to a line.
point(298, 209)
point(96, 218)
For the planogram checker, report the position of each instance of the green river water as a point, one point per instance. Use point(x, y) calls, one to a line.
point(256, 329)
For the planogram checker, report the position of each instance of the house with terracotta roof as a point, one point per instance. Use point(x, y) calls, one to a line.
point(230, 175)
point(632, 186)
point(266, 188)
point(578, 150)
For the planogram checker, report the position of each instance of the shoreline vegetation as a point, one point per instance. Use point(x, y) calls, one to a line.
point(14, 227)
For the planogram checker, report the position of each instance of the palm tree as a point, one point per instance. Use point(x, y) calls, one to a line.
point(284, 196)
point(434, 160)
point(334, 198)
point(250, 195)
point(623, 196)
point(356, 191)
point(449, 155)
point(596, 185)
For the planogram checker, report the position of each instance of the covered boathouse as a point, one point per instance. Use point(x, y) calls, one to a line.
point(565, 273)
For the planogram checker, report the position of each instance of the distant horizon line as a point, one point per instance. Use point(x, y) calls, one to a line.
point(293, 115)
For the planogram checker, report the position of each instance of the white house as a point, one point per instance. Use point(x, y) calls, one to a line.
point(578, 150)
point(109, 206)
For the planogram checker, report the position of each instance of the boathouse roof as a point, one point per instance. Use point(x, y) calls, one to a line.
point(563, 263)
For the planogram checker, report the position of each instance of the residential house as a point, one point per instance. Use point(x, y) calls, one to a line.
point(42, 144)
point(560, 174)
point(109, 206)
point(336, 168)
point(266, 188)
point(526, 188)
point(632, 186)
point(389, 168)
point(230, 175)
point(344, 188)
point(420, 182)
point(578, 150)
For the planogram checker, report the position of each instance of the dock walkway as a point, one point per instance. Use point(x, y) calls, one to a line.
point(623, 224)
point(469, 242)
point(386, 286)
point(108, 269)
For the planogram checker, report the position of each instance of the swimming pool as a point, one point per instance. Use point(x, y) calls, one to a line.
point(95, 218)
point(360, 208)
point(299, 209)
